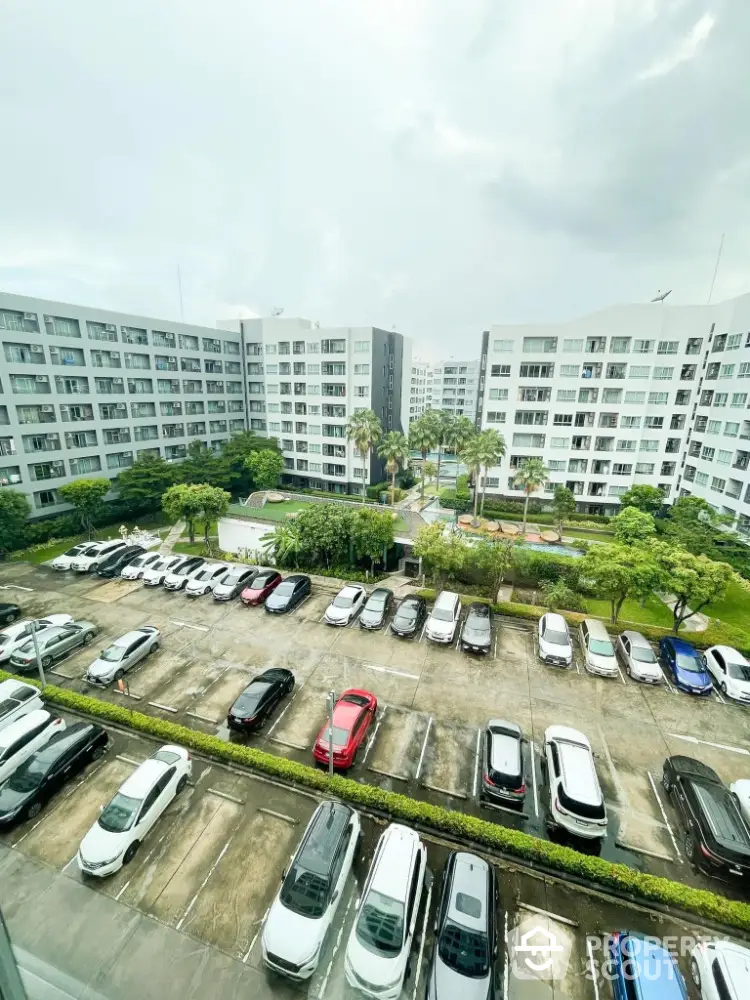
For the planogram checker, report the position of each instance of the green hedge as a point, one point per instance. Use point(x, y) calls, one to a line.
point(529, 849)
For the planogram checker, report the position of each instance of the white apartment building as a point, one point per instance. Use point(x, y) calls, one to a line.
point(452, 387)
point(634, 394)
point(420, 373)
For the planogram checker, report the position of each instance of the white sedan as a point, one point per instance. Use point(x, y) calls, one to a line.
point(19, 633)
point(114, 839)
point(345, 605)
point(206, 579)
point(136, 569)
point(64, 561)
point(730, 670)
point(155, 575)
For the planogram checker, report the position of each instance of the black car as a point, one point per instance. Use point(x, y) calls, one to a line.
point(376, 608)
point(119, 560)
point(716, 836)
point(410, 614)
point(260, 697)
point(288, 594)
point(9, 613)
point(476, 636)
point(45, 772)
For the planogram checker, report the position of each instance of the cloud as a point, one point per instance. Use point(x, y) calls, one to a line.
point(685, 50)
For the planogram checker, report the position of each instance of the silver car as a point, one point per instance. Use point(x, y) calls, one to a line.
point(54, 644)
point(123, 654)
point(234, 582)
point(638, 658)
point(18, 634)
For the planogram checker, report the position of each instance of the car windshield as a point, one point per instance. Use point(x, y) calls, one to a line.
point(738, 671)
point(376, 602)
point(112, 654)
point(28, 776)
point(260, 582)
point(380, 927)
point(340, 736)
point(5, 637)
point(233, 577)
point(248, 700)
point(120, 814)
point(556, 638)
point(643, 654)
point(601, 647)
point(205, 574)
point(305, 893)
point(407, 612)
point(139, 560)
point(343, 601)
point(465, 951)
point(442, 614)
point(159, 564)
point(284, 589)
point(690, 662)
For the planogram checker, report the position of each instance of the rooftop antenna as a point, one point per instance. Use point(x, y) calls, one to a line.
point(716, 269)
point(277, 310)
point(660, 295)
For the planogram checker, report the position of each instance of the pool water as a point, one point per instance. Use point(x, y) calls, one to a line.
point(554, 550)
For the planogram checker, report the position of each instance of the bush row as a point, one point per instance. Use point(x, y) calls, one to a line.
point(42, 530)
point(616, 877)
point(510, 511)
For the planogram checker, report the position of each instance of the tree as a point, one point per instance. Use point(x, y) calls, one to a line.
point(442, 428)
point(563, 505)
point(633, 526)
point(266, 467)
point(693, 524)
point(459, 432)
point(617, 572)
point(372, 534)
point(430, 471)
point(394, 448)
point(87, 496)
point(285, 542)
point(423, 435)
point(235, 451)
point(214, 503)
point(202, 465)
point(473, 455)
point(531, 475)
point(325, 530)
point(184, 501)
point(365, 430)
point(648, 499)
point(694, 580)
point(146, 479)
point(443, 555)
point(493, 558)
point(493, 448)
point(14, 509)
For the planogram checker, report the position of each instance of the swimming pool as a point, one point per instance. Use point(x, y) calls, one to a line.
point(553, 550)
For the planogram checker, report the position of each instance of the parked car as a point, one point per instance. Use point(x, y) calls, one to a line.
point(638, 658)
point(476, 635)
point(123, 654)
point(20, 739)
point(377, 608)
point(353, 714)
point(503, 771)
point(721, 970)
point(730, 670)
point(554, 640)
point(684, 666)
point(9, 613)
point(598, 651)
point(716, 837)
point(19, 633)
point(642, 969)
point(180, 575)
point(204, 581)
point(264, 692)
point(409, 616)
point(118, 832)
point(87, 561)
point(442, 621)
point(576, 800)
point(379, 945)
point(465, 933)
point(113, 565)
point(288, 594)
point(136, 569)
point(345, 605)
point(311, 891)
point(261, 586)
point(63, 562)
point(741, 789)
point(156, 573)
point(234, 582)
point(16, 700)
point(54, 644)
point(48, 769)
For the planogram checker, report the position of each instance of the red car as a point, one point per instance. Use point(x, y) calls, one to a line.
point(263, 584)
point(352, 718)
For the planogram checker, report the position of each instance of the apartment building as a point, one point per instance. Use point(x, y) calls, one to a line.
point(303, 384)
point(421, 372)
point(452, 387)
point(634, 394)
point(86, 391)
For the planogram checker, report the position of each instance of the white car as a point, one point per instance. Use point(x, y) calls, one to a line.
point(721, 970)
point(311, 891)
point(730, 670)
point(554, 640)
point(741, 789)
point(638, 658)
point(155, 575)
point(180, 575)
point(345, 605)
point(122, 655)
point(122, 824)
point(136, 569)
point(444, 617)
point(19, 633)
point(62, 562)
point(89, 560)
point(23, 737)
point(379, 946)
point(576, 803)
point(206, 579)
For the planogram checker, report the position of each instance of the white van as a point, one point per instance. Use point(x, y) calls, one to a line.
point(16, 700)
point(27, 734)
point(443, 619)
point(576, 800)
point(598, 652)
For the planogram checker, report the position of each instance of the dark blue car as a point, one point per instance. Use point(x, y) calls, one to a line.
point(641, 969)
point(684, 665)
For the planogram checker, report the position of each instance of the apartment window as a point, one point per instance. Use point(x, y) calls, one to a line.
point(188, 342)
point(495, 417)
point(617, 491)
point(336, 346)
point(11, 319)
point(359, 370)
point(498, 394)
point(190, 364)
point(658, 398)
point(217, 406)
point(120, 460)
point(147, 433)
point(644, 469)
point(361, 391)
point(314, 390)
point(217, 426)
point(170, 409)
point(566, 395)
point(708, 453)
point(539, 345)
point(190, 385)
point(643, 346)
point(535, 394)
point(502, 346)
point(106, 359)
point(360, 346)
point(668, 347)
point(744, 371)
point(72, 386)
point(107, 386)
point(707, 397)
point(663, 373)
point(211, 345)
point(739, 399)
point(230, 346)
point(694, 345)
point(649, 444)
point(134, 335)
point(621, 468)
point(719, 343)
point(731, 429)
point(616, 371)
point(165, 385)
point(588, 395)
point(572, 346)
point(653, 423)
point(687, 372)
point(635, 397)
point(138, 361)
point(630, 422)
point(537, 371)
point(720, 399)
point(714, 426)
point(161, 338)
point(726, 371)
point(701, 478)
point(612, 395)
point(570, 371)
point(723, 457)
point(563, 420)
point(29, 384)
point(531, 417)
point(559, 442)
point(47, 470)
point(639, 371)
point(734, 340)
point(162, 363)
point(215, 367)
point(619, 345)
point(712, 372)
point(682, 397)
point(718, 484)
point(626, 444)
point(503, 371)
point(214, 386)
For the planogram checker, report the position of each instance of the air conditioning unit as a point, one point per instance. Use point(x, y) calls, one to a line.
point(30, 316)
point(41, 378)
point(172, 359)
point(37, 349)
point(15, 479)
point(64, 408)
point(116, 381)
point(48, 409)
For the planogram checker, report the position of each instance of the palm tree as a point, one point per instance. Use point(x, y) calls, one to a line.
point(493, 448)
point(473, 455)
point(423, 437)
point(532, 474)
point(443, 425)
point(285, 541)
point(395, 450)
point(457, 436)
point(364, 429)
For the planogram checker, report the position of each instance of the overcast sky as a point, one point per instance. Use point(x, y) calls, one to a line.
point(433, 165)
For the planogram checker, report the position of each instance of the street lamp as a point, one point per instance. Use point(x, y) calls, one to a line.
point(39, 666)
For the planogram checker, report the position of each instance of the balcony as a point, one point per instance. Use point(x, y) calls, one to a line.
point(592, 369)
point(30, 385)
point(168, 386)
point(76, 412)
point(67, 356)
point(579, 443)
point(596, 345)
point(616, 371)
point(47, 470)
point(10, 475)
point(39, 442)
point(24, 354)
point(72, 386)
point(148, 433)
point(331, 389)
point(190, 364)
point(105, 359)
point(165, 364)
point(80, 439)
point(597, 489)
point(109, 386)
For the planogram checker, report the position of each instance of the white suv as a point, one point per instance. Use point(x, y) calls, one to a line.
point(721, 970)
point(379, 946)
point(554, 640)
point(89, 559)
point(576, 800)
point(443, 619)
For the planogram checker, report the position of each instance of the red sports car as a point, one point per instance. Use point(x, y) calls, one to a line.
point(263, 584)
point(352, 717)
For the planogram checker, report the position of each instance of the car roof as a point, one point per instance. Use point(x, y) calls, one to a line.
point(656, 968)
point(142, 780)
point(10, 689)
point(381, 590)
point(128, 637)
point(326, 827)
point(556, 621)
point(22, 726)
point(731, 654)
point(505, 752)
point(503, 726)
point(470, 875)
point(296, 576)
point(680, 646)
point(596, 628)
point(446, 598)
point(737, 963)
point(692, 768)
point(345, 713)
point(479, 608)
point(350, 590)
point(391, 876)
point(636, 639)
point(412, 599)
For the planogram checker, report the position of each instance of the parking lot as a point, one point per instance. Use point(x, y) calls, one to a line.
point(433, 702)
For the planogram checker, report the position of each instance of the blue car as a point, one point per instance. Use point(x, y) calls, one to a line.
point(640, 969)
point(685, 666)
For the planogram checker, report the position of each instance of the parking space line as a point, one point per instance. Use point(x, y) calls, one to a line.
point(203, 718)
point(476, 764)
point(255, 936)
point(532, 747)
point(124, 887)
point(127, 694)
point(506, 970)
point(303, 602)
point(374, 732)
point(285, 710)
point(620, 673)
point(548, 913)
point(211, 870)
point(707, 743)
point(669, 686)
point(592, 967)
point(388, 774)
point(389, 670)
point(321, 991)
point(288, 743)
point(506, 809)
point(198, 628)
point(164, 708)
point(718, 695)
point(424, 628)
point(282, 816)
point(424, 748)
point(129, 760)
point(495, 653)
point(664, 815)
point(227, 796)
point(420, 959)
point(445, 791)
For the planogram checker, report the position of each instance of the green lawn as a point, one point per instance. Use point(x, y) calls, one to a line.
point(654, 612)
point(589, 536)
point(733, 608)
point(279, 512)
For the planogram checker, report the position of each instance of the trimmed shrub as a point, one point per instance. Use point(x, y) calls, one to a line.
point(451, 501)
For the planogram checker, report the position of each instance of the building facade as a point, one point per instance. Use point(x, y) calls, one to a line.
point(452, 387)
point(420, 373)
point(652, 393)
